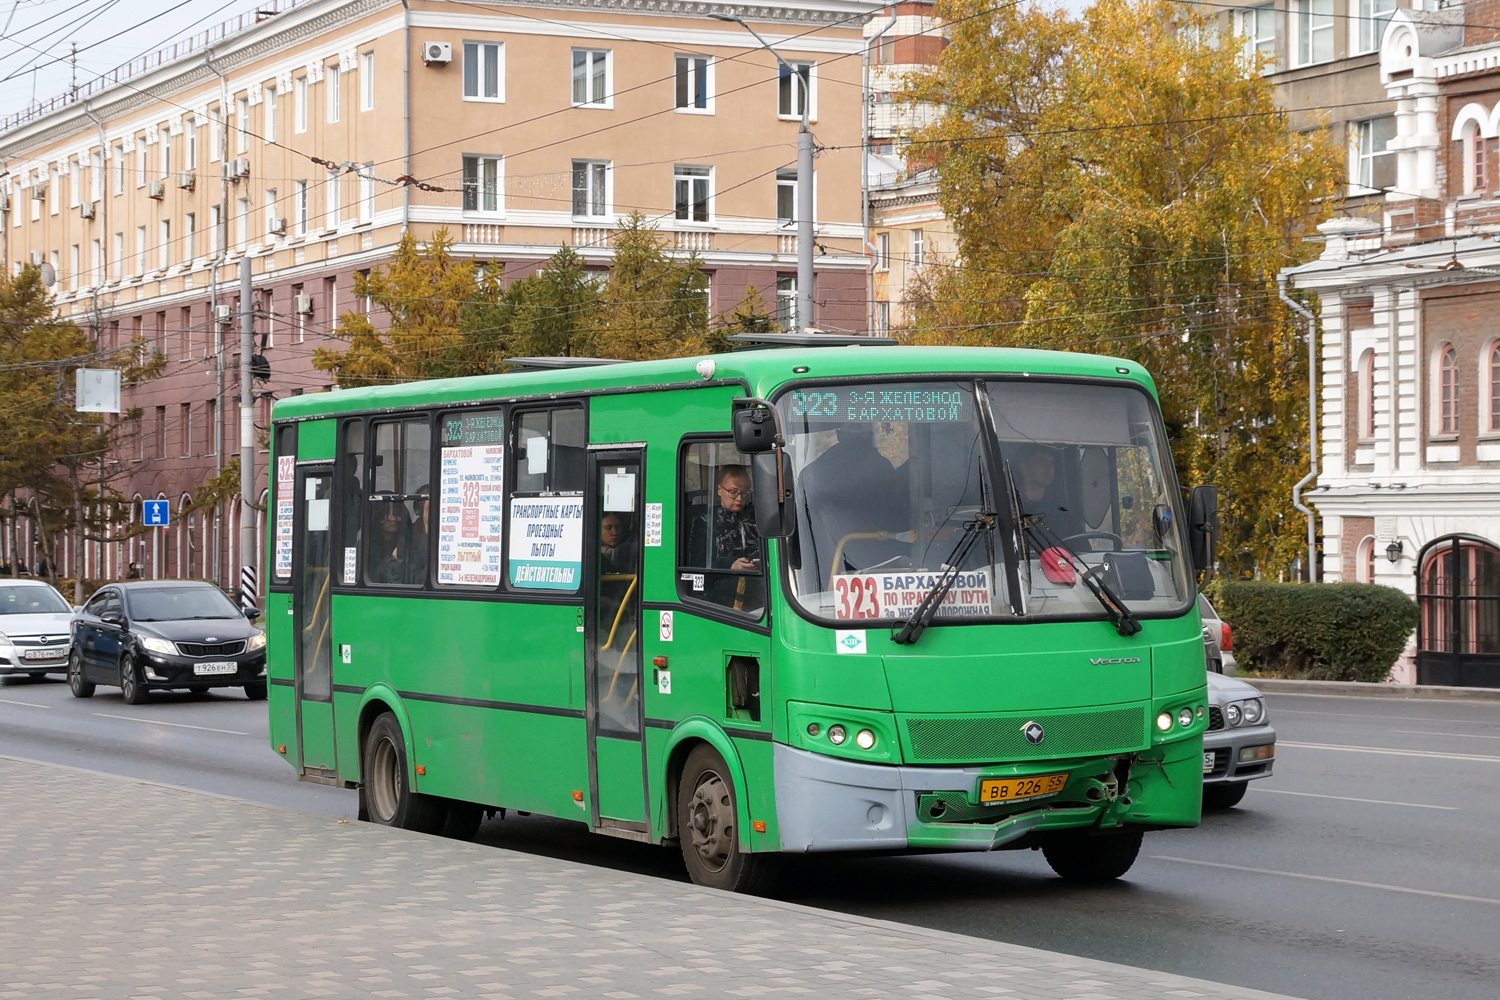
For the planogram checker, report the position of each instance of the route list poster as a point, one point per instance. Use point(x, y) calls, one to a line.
point(471, 511)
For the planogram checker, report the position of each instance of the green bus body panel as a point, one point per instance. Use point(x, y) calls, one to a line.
point(280, 697)
point(620, 772)
point(315, 440)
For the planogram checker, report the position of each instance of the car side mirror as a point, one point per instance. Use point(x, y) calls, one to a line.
point(252, 613)
point(1203, 528)
point(775, 516)
point(112, 618)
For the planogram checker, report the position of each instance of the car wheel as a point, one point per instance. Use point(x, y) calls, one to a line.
point(132, 685)
point(80, 687)
point(708, 828)
point(1226, 795)
point(1078, 857)
point(256, 691)
point(386, 796)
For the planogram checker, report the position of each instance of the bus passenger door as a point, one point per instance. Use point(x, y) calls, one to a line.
point(612, 660)
point(312, 652)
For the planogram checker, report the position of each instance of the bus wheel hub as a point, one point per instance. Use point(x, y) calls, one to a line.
point(711, 814)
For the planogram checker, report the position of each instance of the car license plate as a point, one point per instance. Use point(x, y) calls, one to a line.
point(993, 791)
point(1208, 761)
point(44, 654)
point(215, 667)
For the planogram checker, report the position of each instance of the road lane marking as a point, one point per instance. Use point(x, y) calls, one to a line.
point(1347, 798)
point(28, 704)
point(1462, 736)
point(1391, 751)
point(179, 725)
point(1329, 878)
point(1382, 718)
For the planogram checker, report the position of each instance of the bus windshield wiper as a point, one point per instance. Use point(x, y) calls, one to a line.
point(1124, 620)
point(923, 615)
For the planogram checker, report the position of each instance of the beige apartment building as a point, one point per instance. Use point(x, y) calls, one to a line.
point(308, 136)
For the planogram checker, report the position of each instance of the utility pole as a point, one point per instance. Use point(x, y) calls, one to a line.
point(249, 556)
point(801, 87)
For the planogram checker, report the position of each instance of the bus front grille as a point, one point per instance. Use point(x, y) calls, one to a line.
point(994, 739)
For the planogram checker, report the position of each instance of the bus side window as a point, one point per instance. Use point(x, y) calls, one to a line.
point(350, 499)
point(397, 525)
point(719, 556)
point(550, 450)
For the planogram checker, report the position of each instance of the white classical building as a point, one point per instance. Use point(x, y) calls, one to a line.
point(1408, 486)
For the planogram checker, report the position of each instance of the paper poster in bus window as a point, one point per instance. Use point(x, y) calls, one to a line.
point(471, 515)
point(860, 596)
point(546, 542)
point(286, 505)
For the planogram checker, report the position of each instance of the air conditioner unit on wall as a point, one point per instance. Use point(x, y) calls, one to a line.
point(223, 314)
point(157, 190)
point(187, 180)
point(86, 210)
point(437, 53)
point(278, 227)
point(235, 169)
point(302, 305)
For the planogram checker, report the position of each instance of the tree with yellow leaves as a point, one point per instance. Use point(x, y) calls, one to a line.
point(1125, 184)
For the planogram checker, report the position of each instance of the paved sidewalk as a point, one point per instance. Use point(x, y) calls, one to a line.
point(115, 888)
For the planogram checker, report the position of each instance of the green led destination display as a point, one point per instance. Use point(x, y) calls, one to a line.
point(467, 429)
point(921, 404)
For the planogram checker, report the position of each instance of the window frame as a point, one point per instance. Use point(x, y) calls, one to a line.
point(367, 80)
point(590, 75)
point(1309, 28)
point(682, 527)
point(1365, 397)
point(1490, 421)
point(1369, 25)
point(483, 52)
point(1445, 393)
point(687, 173)
point(785, 89)
point(475, 187)
point(515, 415)
point(1362, 159)
point(693, 73)
point(299, 104)
point(334, 98)
point(271, 113)
point(372, 427)
point(786, 179)
point(786, 302)
point(592, 196)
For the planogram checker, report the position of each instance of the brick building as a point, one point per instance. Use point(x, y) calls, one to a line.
point(1409, 483)
point(308, 136)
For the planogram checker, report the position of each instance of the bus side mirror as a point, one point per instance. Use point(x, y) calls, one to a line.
point(775, 516)
point(754, 429)
point(1203, 527)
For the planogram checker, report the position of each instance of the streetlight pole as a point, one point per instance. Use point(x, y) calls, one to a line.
point(802, 87)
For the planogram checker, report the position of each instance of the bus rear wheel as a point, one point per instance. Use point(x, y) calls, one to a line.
point(386, 796)
point(708, 828)
point(1079, 857)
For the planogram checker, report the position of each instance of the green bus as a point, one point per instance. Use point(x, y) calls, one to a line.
point(795, 599)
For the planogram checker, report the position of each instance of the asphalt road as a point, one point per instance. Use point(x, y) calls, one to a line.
point(1367, 867)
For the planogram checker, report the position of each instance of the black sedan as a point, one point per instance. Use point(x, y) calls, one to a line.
point(149, 634)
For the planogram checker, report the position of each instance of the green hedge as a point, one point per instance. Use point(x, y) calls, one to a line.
point(1317, 631)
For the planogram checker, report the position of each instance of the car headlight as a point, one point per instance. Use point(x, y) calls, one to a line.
point(1255, 711)
point(163, 646)
point(1233, 715)
point(257, 641)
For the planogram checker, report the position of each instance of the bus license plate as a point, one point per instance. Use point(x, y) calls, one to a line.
point(215, 667)
point(993, 791)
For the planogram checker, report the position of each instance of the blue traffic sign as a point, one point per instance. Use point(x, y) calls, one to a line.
point(156, 513)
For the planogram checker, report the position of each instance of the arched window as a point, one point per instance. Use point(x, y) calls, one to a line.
point(1364, 560)
point(1474, 159)
point(1446, 395)
point(1458, 597)
point(1494, 387)
point(1366, 400)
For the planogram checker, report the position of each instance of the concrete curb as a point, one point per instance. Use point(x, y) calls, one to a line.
point(1362, 689)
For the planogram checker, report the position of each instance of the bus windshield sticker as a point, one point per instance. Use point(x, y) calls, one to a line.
point(896, 595)
point(286, 505)
point(896, 403)
point(850, 642)
point(619, 492)
point(471, 498)
point(652, 527)
point(546, 542)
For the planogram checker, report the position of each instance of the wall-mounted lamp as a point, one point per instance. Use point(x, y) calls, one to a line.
point(1393, 551)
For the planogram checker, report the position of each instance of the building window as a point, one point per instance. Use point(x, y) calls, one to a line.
point(482, 73)
point(301, 207)
point(242, 125)
point(786, 301)
point(786, 197)
point(216, 223)
point(332, 79)
point(273, 219)
point(882, 318)
point(140, 250)
point(591, 77)
point(882, 251)
point(1314, 19)
point(590, 188)
point(215, 132)
point(96, 175)
point(483, 176)
point(1494, 367)
point(118, 248)
point(1366, 395)
point(299, 104)
point(1447, 391)
point(119, 154)
point(190, 143)
point(367, 81)
point(331, 199)
point(692, 83)
point(166, 153)
point(793, 93)
point(141, 170)
point(692, 185)
point(1364, 560)
point(270, 99)
point(1373, 17)
point(367, 193)
point(918, 247)
point(1373, 162)
point(189, 232)
point(242, 224)
point(164, 246)
point(1474, 150)
point(75, 184)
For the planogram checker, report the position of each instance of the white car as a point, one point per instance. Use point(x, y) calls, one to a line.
point(36, 629)
point(1240, 744)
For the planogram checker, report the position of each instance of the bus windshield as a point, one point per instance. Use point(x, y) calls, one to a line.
point(891, 476)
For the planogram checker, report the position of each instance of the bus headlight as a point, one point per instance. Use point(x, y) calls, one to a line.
point(864, 739)
point(1185, 717)
point(1164, 721)
point(837, 735)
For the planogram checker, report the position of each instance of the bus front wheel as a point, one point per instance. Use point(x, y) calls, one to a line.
point(385, 792)
point(1078, 857)
point(708, 827)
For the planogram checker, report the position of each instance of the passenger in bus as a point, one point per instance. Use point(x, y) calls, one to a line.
point(616, 548)
point(421, 534)
point(1042, 495)
point(853, 490)
point(616, 560)
point(389, 541)
point(726, 534)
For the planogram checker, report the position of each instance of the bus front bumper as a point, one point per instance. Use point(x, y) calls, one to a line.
point(828, 804)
